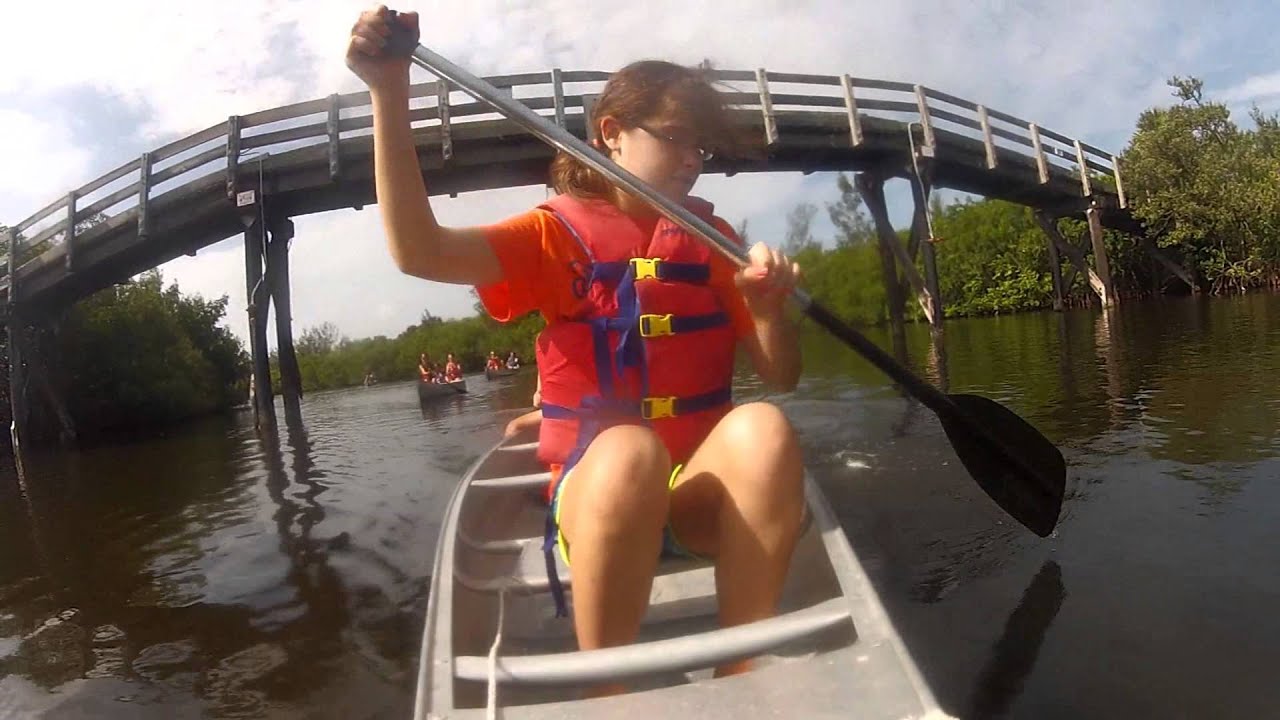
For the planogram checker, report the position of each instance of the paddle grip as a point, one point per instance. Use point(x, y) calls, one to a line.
point(402, 40)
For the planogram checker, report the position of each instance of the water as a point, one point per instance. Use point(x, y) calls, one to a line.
point(212, 574)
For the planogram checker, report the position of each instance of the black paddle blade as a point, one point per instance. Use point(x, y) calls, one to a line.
point(1022, 471)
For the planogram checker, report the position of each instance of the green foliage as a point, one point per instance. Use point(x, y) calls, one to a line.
point(1207, 188)
point(138, 354)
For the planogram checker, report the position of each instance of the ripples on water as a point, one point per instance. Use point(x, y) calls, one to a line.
point(213, 574)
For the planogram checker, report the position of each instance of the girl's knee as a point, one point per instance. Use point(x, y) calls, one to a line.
point(767, 451)
point(621, 479)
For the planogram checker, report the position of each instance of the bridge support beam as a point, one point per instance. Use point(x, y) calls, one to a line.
point(922, 237)
point(1100, 256)
point(1170, 264)
point(264, 410)
point(281, 229)
point(872, 191)
point(1050, 228)
point(1055, 270)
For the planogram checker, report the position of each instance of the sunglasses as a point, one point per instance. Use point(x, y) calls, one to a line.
point(682, 141)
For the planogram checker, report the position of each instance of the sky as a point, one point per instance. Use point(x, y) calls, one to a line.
point(104, 82)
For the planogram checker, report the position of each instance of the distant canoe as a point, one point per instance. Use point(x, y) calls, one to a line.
point(491, 373)
point(432, 391)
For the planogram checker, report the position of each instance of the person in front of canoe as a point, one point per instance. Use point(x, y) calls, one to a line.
point(493, 363)
point(452, 370)
point(425, 373)
point(513, 362)
point(680, 468)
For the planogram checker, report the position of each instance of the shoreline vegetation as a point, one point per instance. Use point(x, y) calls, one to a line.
point(139, 356)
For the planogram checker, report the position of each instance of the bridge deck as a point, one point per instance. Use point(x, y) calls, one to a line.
point(316, 156)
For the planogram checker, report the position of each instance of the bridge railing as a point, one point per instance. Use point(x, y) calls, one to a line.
point(235, 146)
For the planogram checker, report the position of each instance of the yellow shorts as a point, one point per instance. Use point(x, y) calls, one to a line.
point(671, 547)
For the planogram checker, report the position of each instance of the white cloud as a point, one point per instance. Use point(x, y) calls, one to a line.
point(1084, 69)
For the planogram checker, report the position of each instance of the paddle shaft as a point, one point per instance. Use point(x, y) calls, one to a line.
point(1012, 468)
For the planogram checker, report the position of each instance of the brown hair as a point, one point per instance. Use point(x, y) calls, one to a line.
point(640, 91)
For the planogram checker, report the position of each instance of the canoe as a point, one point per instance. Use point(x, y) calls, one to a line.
point(491, 373)
point(431, 391)
point(830, 652)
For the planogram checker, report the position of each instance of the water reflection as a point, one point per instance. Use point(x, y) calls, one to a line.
point(1014, 654)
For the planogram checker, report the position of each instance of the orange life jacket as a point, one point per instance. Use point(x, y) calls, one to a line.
point(650, 343)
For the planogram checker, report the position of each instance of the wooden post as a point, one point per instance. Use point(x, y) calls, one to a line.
point(333, 127)
point(766, 108)
point(1100, 261)
point(278, 279)
point(872, 192)
point(1115, 172)
point(1086, 187)
point(873, 196)
point(144, 194)
point(264, 410)
point(1055, 270)
point(16, 342)
point(851, 109)
point(446, 136)
point(1042, 165)
point(69, 234)
point(926, 122)
point(233, 156)
point(591, 130)
point(988, 141)
point(557, 91)
point(920, 186)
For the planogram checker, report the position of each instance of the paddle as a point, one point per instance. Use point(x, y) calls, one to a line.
point(1017, 466)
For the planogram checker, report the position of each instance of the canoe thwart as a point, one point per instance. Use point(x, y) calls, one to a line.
point(680, 654)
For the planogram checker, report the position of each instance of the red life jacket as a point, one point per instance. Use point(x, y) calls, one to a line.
point(650, 343)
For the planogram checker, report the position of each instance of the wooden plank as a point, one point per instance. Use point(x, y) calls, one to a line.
point(164, 152)
point(557, 89)
point(585, 76)
point(893, 106)
point(144, 195)
point(301, 132)
point(988, 142)
point(195, 161)
point(922, 104)
point(233, 156)
point(851, 109)
point(1095, 165)
point(1115, 170)
point(1095, 151)
point(69, 233)
point(804, 78)
point(952, 99)
point(1041, 166)
point(284, 112)
point(1086, 187)
point(766, 108)
point(1056, 136)
point(1168, 263)
point(1007, 118)
point(41, 214)
point(107, 178)
point(101, 204)
point(954, 118)
point(442, 105)
point(334, 130)
point(732, 75)
point(891, 85)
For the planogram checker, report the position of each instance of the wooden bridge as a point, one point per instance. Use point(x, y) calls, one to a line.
point(250, 174)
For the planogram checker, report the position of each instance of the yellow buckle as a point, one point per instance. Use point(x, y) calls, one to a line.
point(646, 268)
point(655, 325)
point(652, 408)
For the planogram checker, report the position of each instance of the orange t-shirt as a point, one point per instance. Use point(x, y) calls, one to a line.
point(537, 254)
